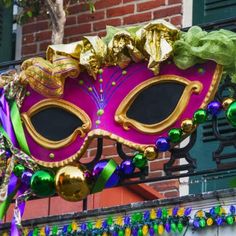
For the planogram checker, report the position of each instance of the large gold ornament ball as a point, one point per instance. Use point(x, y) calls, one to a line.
point(227, 102)
point(71, 183)
point(150, 153)
point(187, 126)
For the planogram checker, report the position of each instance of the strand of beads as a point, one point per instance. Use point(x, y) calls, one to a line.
point(176, 135)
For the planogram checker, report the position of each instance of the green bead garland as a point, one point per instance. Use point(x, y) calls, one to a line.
point(200, 116)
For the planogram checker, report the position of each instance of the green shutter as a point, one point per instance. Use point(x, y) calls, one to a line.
point(205, 11)
point(6, 18)
point(208, 11)
point(205, 145)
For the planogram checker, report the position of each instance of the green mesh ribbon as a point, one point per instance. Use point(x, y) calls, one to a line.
point(197, 45)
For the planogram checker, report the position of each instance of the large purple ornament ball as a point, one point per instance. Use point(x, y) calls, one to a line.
point(127, 167)
point(114, 178)
point(214, 108)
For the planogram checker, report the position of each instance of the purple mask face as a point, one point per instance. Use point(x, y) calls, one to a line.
point(132, 107)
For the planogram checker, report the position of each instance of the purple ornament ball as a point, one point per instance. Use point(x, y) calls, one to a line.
point(26, 177)
point(127, 167)
point(214, 108)
point(162, 144)
point(114, 178)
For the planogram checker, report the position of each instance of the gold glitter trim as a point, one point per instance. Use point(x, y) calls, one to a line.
point(47, 103)
point(190, 87)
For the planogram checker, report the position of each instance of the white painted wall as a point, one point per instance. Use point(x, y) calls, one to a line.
point(187, 13)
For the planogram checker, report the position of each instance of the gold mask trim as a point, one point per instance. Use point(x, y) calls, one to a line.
point(136, 146)
point(92, 135)
point(190, 87)
point(46, 103)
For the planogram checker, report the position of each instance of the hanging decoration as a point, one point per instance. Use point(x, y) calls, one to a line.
point(146, 87)
point(151, 222)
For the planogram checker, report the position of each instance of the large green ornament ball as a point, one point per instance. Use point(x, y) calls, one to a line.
point(231, 114)
point(42, 183)
point(139, 160)
point(18, 170)
point(175, 135)
point(200, 116)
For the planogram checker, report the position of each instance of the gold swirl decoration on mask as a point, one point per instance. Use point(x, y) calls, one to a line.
point(152, 42)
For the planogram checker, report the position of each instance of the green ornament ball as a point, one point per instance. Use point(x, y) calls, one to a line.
point(54, 230)
point(90, 225)
point(164, 213)
point(231, 114)
point(140, 232)
point(36, 232)
point(180, 227)
point(121, 233)
point(155, 227)
point(139, 160)
point(202, 223)
point(42, 183)
point(173, 227)
point(175, 135)
point(229, 220)
point(18, 170)
point(110, 221)
point(200, 116)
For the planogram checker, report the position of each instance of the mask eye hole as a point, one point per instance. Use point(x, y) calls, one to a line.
point(156, 104)
point(55, 123)
point(157, 96)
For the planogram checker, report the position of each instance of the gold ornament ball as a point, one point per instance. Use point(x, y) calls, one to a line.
point(71, 183)
point(150, 153)
point(187, 126)
point(227, 102)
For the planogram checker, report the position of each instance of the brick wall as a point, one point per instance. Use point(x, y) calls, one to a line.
point(36, 37)
point(36, 34)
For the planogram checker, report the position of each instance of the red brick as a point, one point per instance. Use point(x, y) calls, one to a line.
point(43, 46)
point(155, 174)
point(149, 5)
point(34, 27)
point(174, 1)
point(43, 35)
point(78, 29)
point(176, 20)
point(137, 18)
point(125, 1)
point(68, 207)
point(29, 49)
point(166, 185)
point(158, 164)
point(86, 17)
point(102, 24)
point(70, 20)
point(120, 11)
point(74, 39)
point(29, 38)
point(36, 208)
point(167, 12)
point(171, 194)
point(76, 8)
point(105, 4)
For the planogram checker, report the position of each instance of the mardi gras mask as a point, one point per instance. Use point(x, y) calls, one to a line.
point(131, 106)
